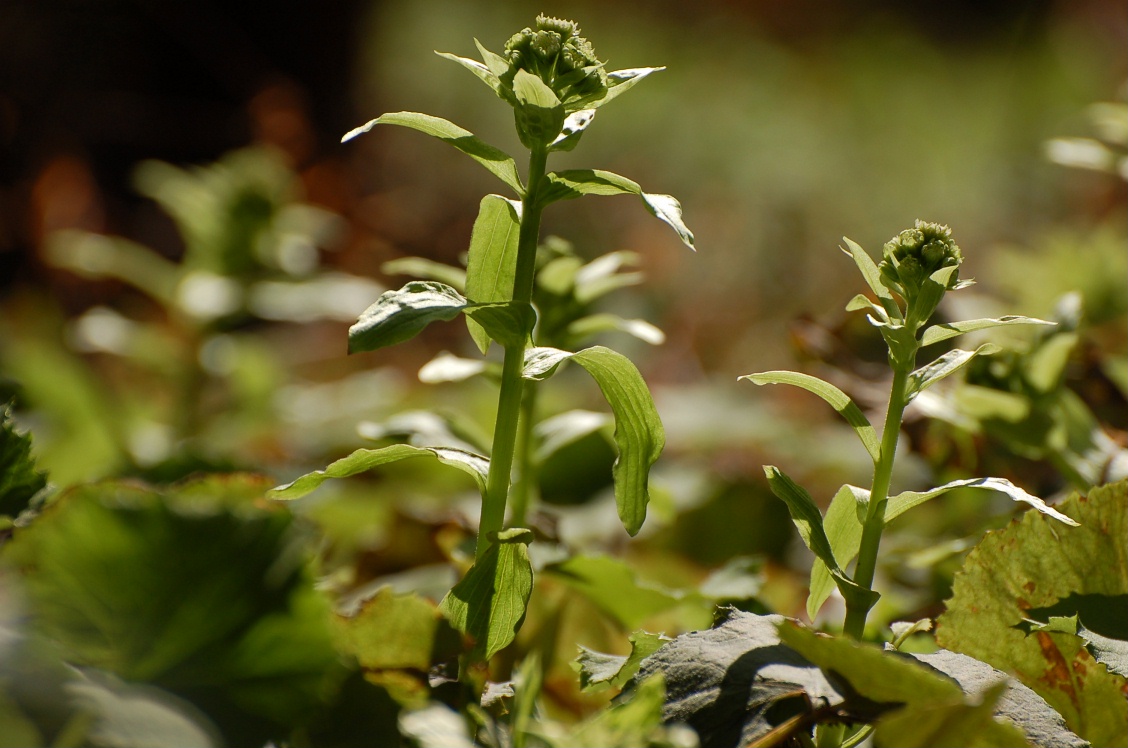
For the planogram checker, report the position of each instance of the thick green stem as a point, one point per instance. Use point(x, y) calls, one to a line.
point(512, 383)
point(879, 496)
point(526, 473)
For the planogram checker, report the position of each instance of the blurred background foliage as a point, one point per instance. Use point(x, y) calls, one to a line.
point(184, 242)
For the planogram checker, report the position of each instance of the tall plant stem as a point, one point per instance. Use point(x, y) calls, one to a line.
point(526, 473)
point(512, 383)
point(856, 614)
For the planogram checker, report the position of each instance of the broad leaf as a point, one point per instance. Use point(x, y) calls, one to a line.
point(366, 459)
point(615, 589)
point(198, 589)
point(944, 366)
point(1034, 564)
point(19, 480)
point(565, 185)
point(598, 670)
point(834, 397)
point(509, 323)
point(396, 639)
point(400, 315)
point(936, 333)
point(496, 162)
point(489, 604)
point(493, 257)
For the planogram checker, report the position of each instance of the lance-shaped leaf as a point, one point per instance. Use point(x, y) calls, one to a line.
point(366, 459)
point(401, 314)
point(621, 81)
point(902, 502)
point(594, 324)
point(808, 520)
point(493, 257)
point(573, 183)
point(489, 604)
point(944, 366)
point(497, 162)
point(483, 72)
point(872, 277)
point(639, 434)
point(835, 397)
point(936, 333)
point(1035, 564)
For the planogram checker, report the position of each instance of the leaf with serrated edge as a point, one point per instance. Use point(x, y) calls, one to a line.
point(366, 459)
point(835, 397)
point(573, 183)
point(944, 366)
point(489, 603)
point(492, 260)
point(936, 333)
point(497, 162)
point(1034, 563)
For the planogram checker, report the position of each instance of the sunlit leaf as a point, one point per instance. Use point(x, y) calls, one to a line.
point(425, 269)
point(365, 459)
point(574, 126)
point(834, 397)
point(493, 257)
point(593, 324)
point(489, 604)
point(843, 525)
point(483, 72)
point(635, 719)
point(509, 323)
point(944, 366)
point(621, 81)
point(1036, 563)
point(902, 502)
point(936, 333)
point(872, 277)
point(497, 162)
point(400, 315)
point(566, 185)
point(446, 367)
point(615, 589)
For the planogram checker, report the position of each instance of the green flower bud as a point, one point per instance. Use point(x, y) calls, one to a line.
point(555, 52)
point(911, 258)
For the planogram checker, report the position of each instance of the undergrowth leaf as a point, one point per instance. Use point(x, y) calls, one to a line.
point(19, 479)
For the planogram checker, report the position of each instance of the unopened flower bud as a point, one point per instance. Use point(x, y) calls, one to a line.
point(910, 259)
point(555, 52)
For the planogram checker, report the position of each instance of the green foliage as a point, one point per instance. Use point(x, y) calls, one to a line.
point(20, 481)
point(1035, 564)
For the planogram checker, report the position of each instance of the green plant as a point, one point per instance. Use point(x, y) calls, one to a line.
point(554, 83)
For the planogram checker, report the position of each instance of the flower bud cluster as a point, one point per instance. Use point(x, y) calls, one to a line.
point(910, 259)
point(556, 53)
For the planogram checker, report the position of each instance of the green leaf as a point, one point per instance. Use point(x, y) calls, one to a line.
point(902, 502)
point(872, 277)
point(199, 589)
point(598, 670)
point(566, 185)
point(510, 323)
point(639, 434)
point(496, 162)
point(19, 480)
point(602, 275)
point(936, 333)
point(944, 366)
point(953, 723)
point(493, 257)
point(483, 72)
point(621, 81)
point(834, 397)
point(614, 588)
point(400, 315)
point(843, 526)
point(446, 367)
point(425, 269)
point(635, 719)
point(538, 112)
point(808, 520)
point(366, 459)
point(575, 124)
point(489, 604)
point(593, 324)
point(396, 639)
point(1034, 564)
